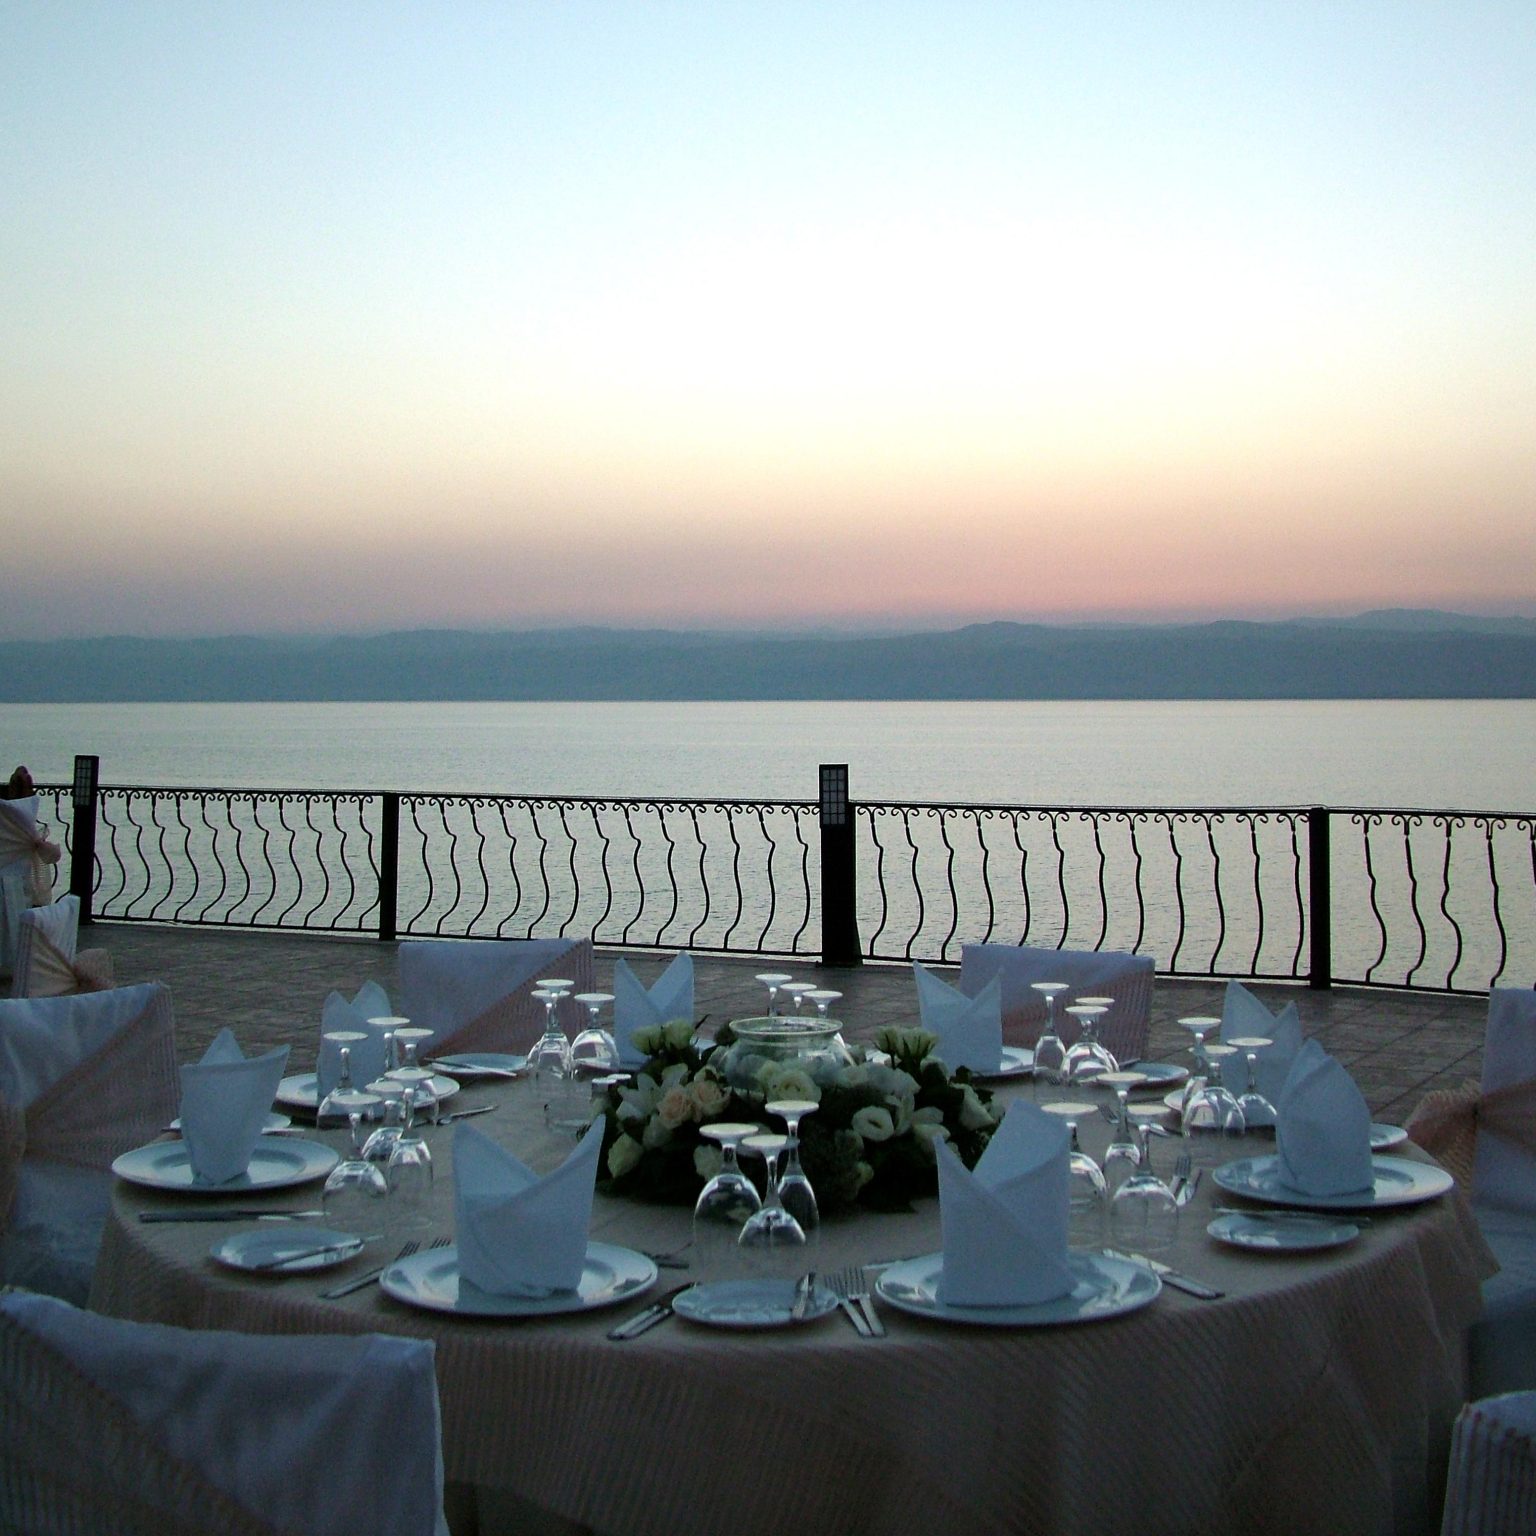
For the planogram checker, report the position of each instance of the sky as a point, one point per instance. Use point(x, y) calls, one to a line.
point(349, 316)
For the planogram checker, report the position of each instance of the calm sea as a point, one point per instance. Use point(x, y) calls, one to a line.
point(1454, 754)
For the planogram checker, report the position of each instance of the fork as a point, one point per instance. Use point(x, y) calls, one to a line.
point(858, 1290)
point(357, 1282)
point(1181, 1167)
point(841, 1283)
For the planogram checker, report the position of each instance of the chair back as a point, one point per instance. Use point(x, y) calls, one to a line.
point(117, 1426)
point(48, 962)
point(477, 995)
point(1491, 1490)
point(1504, 1158)
point(1112, 973)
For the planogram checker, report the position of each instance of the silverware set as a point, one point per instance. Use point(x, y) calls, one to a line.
point(851, 1287)
point(357, 1282)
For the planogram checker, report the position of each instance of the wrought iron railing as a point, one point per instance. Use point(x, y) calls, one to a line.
point(1435, 900)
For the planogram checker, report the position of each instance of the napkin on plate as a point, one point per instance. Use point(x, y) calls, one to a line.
point(1005, 1222)
point(519, 1234)
point(636, 1007)
point(1243, 1016)
point(970, 1029)
point(1322, 1128)
point(225, 1099)
point(367, 1055)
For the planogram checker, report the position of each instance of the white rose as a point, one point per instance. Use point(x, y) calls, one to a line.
point(706, 1161)
point(677, 1033)
point(710, 1094)
point(854, 1077)
point(873, 1123)
point(864, 1172)
point(623, 1155)
point(648, 1040)
point(676, 1108)
point(790, 1083)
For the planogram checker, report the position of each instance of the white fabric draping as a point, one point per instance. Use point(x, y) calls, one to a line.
point(27, 858)
point(49, 962)
point(1492, 1487)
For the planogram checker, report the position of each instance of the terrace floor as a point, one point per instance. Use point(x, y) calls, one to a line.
point(269, 987)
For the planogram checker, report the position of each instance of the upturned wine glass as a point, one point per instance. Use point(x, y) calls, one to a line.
point(416, 1080)
point(797, 992)
point(594, 1049)
point(1123, 1155)
point(387, 1025)
point(1213, 1108)
point(1050, 1053)
point(1257, 1110)
point(354, 1186)
point(330, 1112)
point(795, 1192)
point(1144, 1213)
point(728, 1199)
point(773, 980)
point(555, 1077)
point(409, 1171)
point(390, 1094)
point(823, 999)
point(1088, 1058)
point(773, 1241)
point(1087, 1189)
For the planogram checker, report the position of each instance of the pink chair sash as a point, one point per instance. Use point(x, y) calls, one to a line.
point(110, 1103)
point(1447, 1121)
point(43, 969)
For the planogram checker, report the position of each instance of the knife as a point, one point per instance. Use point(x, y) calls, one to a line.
point(1169, 1276)
point(318, 1251)
point(648, 1317)
point(464, 1114)
point(230, 1213)
point(803, 1291)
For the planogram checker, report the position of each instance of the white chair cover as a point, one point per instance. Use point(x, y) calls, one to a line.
point(82, 1080)
point(48, 963)
point(27, 859)
point(1491, 1490)
point(477, 995)
point(1088, 973)
point(138, 1428)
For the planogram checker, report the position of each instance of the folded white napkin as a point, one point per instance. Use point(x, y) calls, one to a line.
point(519, 1234)
point(1323, 1128)
point(1005, 1222)
point(1243, 1016)
point(635, 1006)
point(366, 1057)
point(970, 1029)
point(225, 1099)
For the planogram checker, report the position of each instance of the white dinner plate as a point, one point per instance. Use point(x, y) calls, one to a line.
point(1103, 1287)
point(750, 1304)
point(274, 1122)
point(1398, 1181)
point(277, 1163)
point(1016, 1062)
point(472, 1064)
point(299, 1092)
point(291, 1251)
point(1158, 1074)
point(1283, 1234)
point(431, 1280)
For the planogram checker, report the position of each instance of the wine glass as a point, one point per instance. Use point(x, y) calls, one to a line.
point(773, 1241)
point(797, 990)
point(386, 1025)
point(1199, 1025)
point(329, 1112)
point(1144, 1214)
point(418, 1093)
point(1257, 1110)
point(1212, 1107)
point(354, 1186)
point(1050, 1054)
point(728, 1199)
point(594, 1049)
point(409, 1171)
point(773, 980)
point(1088, 1058)
point(1123, 1156)
point(390, 1094)
point(795, 1192)
point(823, 999)
point(1087, 1188)
point(555, 1077)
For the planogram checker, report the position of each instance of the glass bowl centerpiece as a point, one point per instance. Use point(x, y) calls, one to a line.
point(765, 1047)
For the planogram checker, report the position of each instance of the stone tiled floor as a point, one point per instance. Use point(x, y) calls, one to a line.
point(269, 988)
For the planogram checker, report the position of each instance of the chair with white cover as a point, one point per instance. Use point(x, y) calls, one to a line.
point(1486, 1136)
point(1491, 1490)
point(139, 1428)
point(49, 962)
point(83, 1079)
point(1110, 973)
point(477, 994)
point(27, 859)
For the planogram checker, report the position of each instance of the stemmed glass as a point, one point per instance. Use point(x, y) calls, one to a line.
point(771, 1238)
point(391, 1095)
point(1087, 1189)
point(387, 1025)
point(1122, 1157)
point(798, 991)
point(795, 1192)
point(773, 980)
point(354, 1185)
point(1088, 1059)
point(823, 999)
point(1199, 1025)
point(330, 1112)
point(728, 1199)
point(1050, 1054)
point(1212, 1106)
point(554, 1072)
point(594, 1048)
point(416, 1080)
point(409, 1170)
point(1144, 1213)
point(1257, 1110)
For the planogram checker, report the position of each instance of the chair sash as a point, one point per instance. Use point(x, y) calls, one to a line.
point(1447, 1121)
point(46, 969)
point(113, 1101)
point(21, 838)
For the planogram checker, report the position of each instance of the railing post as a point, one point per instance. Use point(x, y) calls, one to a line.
point(1319, 902)
point(839, 888)
point(82, 857)
point(389, 864)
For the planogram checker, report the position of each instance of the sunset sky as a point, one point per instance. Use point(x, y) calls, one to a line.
point(326, 315)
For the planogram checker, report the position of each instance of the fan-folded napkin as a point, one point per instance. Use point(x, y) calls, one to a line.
point(225, 1099)
point(1005, 1222)
point(1322, 1128)
point(366, 1058)
point(970, 1029)
point(637, 1007)
point(1244, 1017)
point(519, 1234)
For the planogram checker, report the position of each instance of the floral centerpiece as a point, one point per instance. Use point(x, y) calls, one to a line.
point(872, 1141)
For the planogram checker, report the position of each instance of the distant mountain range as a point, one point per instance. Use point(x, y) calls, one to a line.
point(1394, 653)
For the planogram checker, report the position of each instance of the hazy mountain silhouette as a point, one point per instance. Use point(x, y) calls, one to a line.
point(1396, 653)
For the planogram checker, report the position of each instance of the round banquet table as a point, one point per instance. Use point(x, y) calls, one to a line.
point(1317, 1394)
